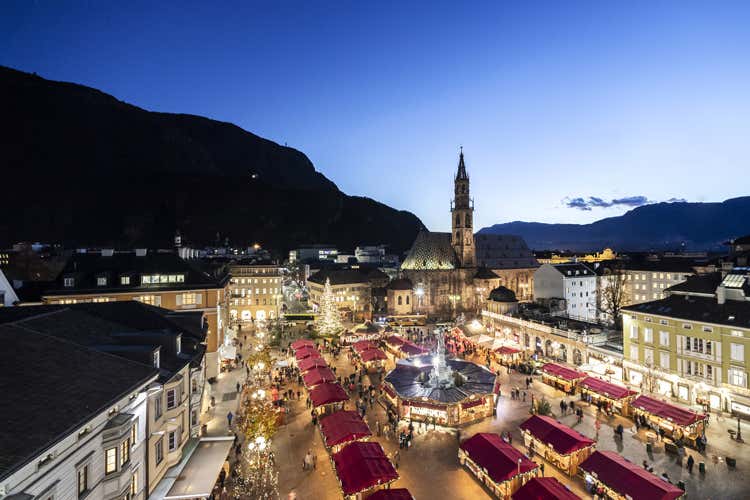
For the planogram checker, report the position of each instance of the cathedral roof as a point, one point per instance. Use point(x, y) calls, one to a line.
point(502, 294)
point(431, 251)
point(461, 174)
point(400, 284)
point(484, 273)
point(503, 251)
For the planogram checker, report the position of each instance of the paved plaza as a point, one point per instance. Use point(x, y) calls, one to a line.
point(430, 469)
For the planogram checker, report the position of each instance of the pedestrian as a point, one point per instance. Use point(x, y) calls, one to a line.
point(562, 407)
point(541, 467)
point(524, 396)
point(690, 463)
point(396, 458)
point(229, 418)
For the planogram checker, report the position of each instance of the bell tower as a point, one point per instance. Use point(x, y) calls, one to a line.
point(462, 215)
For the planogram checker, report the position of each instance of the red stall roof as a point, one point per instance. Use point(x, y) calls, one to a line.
point(472, 404)
point(306, 352)
point(310, 363)
point(395, 340)
point(605, 388)
point(626, 478)
point(391, 494)
point(678, 415)
point(342, 427)
point(372, 355)
point(562, 438)
point(413, 349)
point(562, 372)
point(299, 344)
point(498, 457)
point(544, 488)
point(362, 465)
point(317, 376)
point(363, 345)
point(504, 349)
point(326, 393)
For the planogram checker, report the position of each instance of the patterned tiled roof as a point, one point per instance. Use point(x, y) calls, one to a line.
point(431, 251)
point(503, 251)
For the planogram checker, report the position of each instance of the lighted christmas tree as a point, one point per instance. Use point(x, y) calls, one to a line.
point(329, 320)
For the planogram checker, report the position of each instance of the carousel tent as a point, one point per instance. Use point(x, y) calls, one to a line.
point(391, 494)
point(628, 479)
point(497, 457)
point(372, 355)
point(549, 431)
point(544, 488)
point(306, 352)
point(361, 466)
point(342, 427)
point(310, 363)
point(605, 388)
point(299, 344)
point(680, 416)
point(317, 376)
point(327, 393)
point(562, 372)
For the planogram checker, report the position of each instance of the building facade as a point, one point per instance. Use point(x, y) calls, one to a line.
point(576, 283)
point(352, 290)
point(255, 291)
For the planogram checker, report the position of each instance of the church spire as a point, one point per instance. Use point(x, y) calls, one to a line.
point(461, 174)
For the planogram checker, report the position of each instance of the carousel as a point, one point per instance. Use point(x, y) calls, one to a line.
point(440, 390)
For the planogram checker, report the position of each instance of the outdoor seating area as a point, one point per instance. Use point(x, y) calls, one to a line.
point(561, 377)
point(496, 464)
point(560, 445)
point(610, 475)
point(606, 395)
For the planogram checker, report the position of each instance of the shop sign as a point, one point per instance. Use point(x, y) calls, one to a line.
point(427, 412)
point(740, 408)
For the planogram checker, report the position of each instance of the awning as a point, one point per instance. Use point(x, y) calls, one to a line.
point(562, 372)
point(606, 389)
point(507, 350)
point(372, 355)
point(391, 494)
point(299, 344)
point(561, 438)
point(327, 393)
point(342, 427)
point(628, 479)
point(306, 352)
point(364, 345)
point(544, 488)
point(317, 376)
point(310, 363)
point(362, 465)
point(202, 469)
point(498, 458)
point(675, 414)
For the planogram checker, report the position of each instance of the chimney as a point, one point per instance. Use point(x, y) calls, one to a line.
point(721, 294)
point(140, 252)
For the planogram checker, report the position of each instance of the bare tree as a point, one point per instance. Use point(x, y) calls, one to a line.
point(613, 295)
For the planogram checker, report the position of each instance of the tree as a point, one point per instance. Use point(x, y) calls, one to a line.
point(612, 293)
point(329, 320)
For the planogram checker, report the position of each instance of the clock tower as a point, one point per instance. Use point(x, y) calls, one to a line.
point(462, 214)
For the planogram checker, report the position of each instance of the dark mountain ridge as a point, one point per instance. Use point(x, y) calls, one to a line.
point(660, 226)
point(83, 168)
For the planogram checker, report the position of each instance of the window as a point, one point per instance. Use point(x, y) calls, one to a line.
point(173, 442)
point(124, 452)
point(648, 335)
point(134, 483)
point(648, 357)
point(155, 359)
point(687, 326)
point(633, 332)
point(189, 299)
point(69, 282)
point(171, 399)
point(178, 344)
point(664, 360)
point(664, 339)
point(737, 377)
point(83, 480)
point(157, 407)
point(134, 432)
point(152, 300)
point(124, 280)
point(737, 352)
point(634, 353)
point(110, 461)
point(708, 329)
point(101, 281)
point(159, 451)
point(194, 417)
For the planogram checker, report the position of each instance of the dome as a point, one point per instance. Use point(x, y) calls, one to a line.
point(400, 284)
point(502, 294)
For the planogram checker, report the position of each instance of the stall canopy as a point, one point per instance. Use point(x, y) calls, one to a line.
point(391, 494)
point(317, 376)
point(395, 340)
point(605, 388)
point(364, 345)
point(544, 488)
point(361, 466)
point(504, 349)
point(299, 344)
point(626, 478)
point(496, 456)
point(327, 393)
point(561, 438)
point(342, 427)
point(372, 355)
point(412, 349)
point(680, 416)
point(310, 363)
point(563, 372)
point(202, 469)
point(307, 352)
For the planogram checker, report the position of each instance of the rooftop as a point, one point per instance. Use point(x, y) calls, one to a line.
point(347, 276)
point(695, 308)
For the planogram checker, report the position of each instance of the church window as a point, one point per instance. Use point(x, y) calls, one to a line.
point(399, 300)
point(407, 300)
point(458, 220)
point(468, 220)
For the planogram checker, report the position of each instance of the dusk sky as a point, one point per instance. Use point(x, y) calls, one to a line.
point(567, 111)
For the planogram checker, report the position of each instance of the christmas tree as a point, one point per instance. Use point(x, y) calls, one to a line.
point(329, 321)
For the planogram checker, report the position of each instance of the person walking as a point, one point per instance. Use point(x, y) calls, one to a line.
point(690, 463)
point(229, 418)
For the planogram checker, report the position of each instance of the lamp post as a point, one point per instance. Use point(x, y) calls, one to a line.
point(739, 431)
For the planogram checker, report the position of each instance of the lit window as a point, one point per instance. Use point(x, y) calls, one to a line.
point(101, 281)
point(737, 352)
point(110, 463)
point(83, 480)
point(69, 282)
point(634, 353)
point(737, 377)
point(664, 339)
point(124, 280)
point(171, 399)
point(134, 483)
point(134, 432)
point(124, 452)
point(664, 360)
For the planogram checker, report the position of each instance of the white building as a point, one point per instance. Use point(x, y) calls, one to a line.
point(8, 296)
point(574, 282)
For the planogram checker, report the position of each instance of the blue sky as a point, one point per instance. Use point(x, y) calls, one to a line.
point(564, 109)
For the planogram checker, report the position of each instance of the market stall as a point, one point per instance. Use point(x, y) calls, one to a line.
point(306, 352)
point(372, 357)
point(560, 445)
point(506, 355)
point(317, 376)
point(362, 467)
point(299, 344)
point(607, 396)
point(310, 363)
point(677, 422)
point(610, 474)
point(563, 378)
point(544, 488)
point(327, 398)
point(391, 494)
point(496, 464)
point(364, 345)
point(341, 428)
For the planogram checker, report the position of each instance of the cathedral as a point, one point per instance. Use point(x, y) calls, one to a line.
point(455, 272)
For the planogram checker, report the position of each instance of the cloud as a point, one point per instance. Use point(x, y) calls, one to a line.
point(580, 203)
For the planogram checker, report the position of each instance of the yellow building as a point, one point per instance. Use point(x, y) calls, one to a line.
point(694, 344)
point(255, 291)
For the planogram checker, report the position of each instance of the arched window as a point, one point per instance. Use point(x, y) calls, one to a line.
point(468, 220)
point(458, 220)
point(458, 237)
point(399, 300)
point(407, 300)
